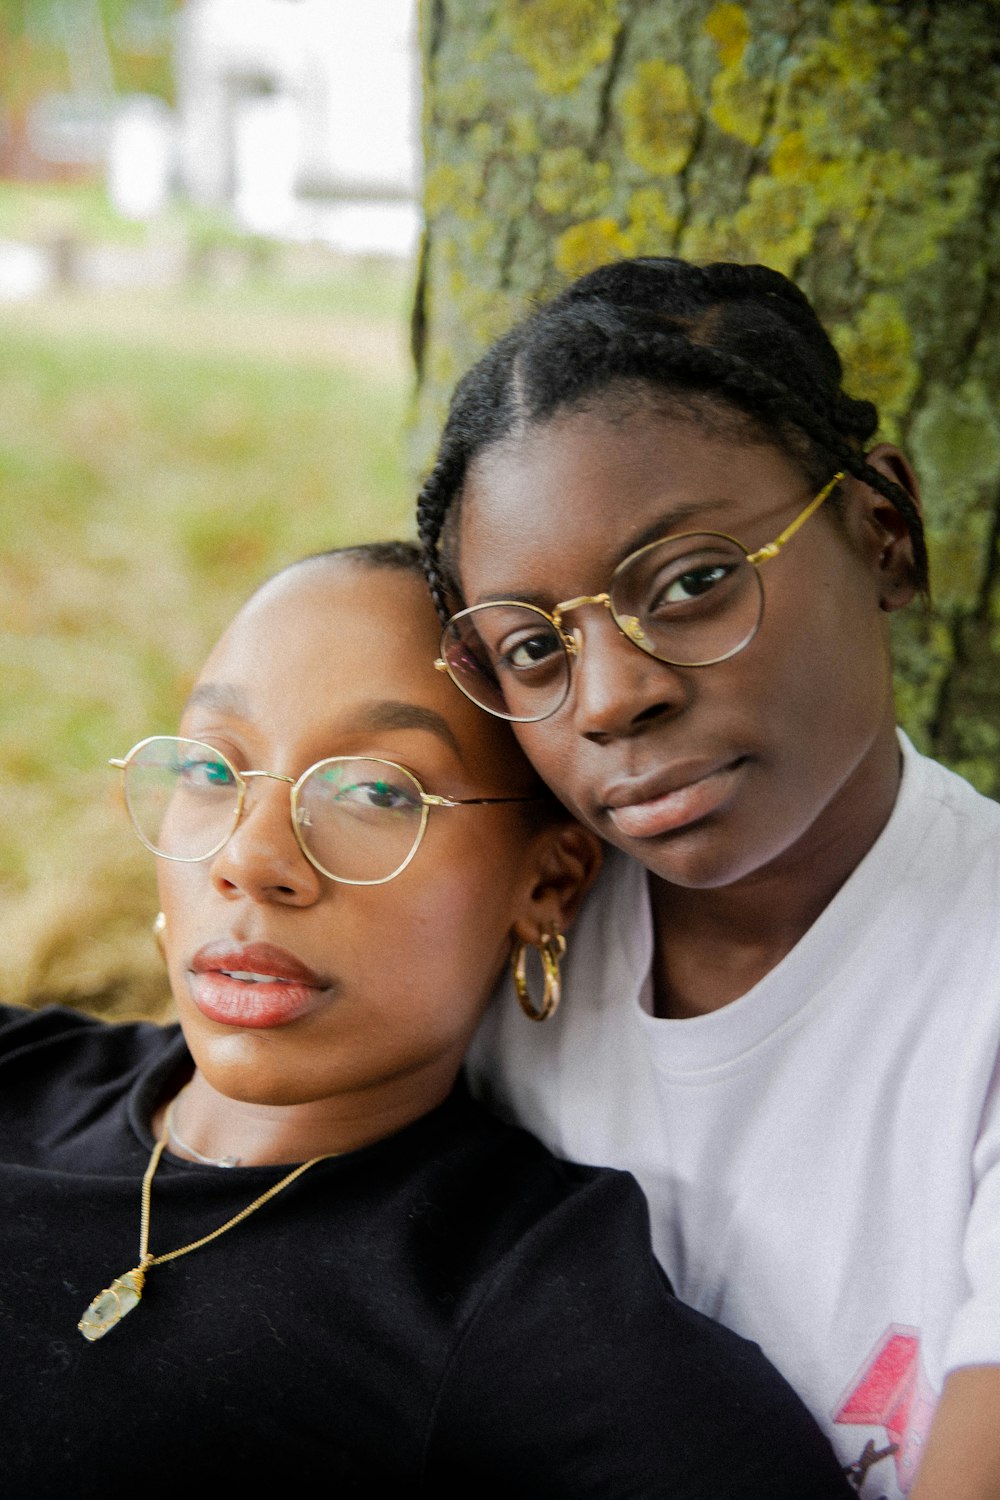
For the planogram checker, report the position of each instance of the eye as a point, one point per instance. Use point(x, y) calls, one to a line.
point(363, 789)
point(692, 584)
point(695, 580)
point(380, 794)
point(536, 649)
point(200, 771)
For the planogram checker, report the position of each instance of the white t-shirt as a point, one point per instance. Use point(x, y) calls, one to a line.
point(821, 1156)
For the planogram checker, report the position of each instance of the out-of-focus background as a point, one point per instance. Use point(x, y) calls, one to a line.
point(208, 221)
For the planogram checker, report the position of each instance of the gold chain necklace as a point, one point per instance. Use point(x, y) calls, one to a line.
point(110, 1306)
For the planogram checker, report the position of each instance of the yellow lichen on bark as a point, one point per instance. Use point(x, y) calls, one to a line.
point(568, 182)
point(918, 205)
point(778, 222)
point(729, 29)
point(740, 104)
point(454, 190)
point(956, 437)
point(877, 351)
point(863, 38)
point(660, 118)
point(561, 40)
point(715, 237)
point(654, 217)
point(955, 442)
point(584, 247)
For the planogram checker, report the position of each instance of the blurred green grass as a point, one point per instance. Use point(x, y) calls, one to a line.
point(160, 454)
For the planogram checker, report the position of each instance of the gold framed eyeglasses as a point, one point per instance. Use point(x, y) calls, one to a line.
point(357, 819)
point(689, 600)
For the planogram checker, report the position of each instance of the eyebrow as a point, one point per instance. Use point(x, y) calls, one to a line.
point(222, 696)
point(670, 523)
point(384, 714)
point(392, 714)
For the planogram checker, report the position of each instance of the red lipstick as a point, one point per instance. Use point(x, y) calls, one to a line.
point(253, 985)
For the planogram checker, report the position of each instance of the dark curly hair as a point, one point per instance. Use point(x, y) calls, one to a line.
point(721, 339)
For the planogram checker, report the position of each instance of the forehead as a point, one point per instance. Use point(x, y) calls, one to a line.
point(328, 620)
point(586, 487)
point(328, 644)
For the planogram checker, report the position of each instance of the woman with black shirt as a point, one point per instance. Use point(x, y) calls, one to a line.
point(279, 1243)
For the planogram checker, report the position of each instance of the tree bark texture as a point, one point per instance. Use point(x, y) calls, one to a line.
point(854, 146)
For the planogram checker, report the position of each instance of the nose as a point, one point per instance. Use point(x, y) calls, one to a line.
point(262, 859)
point(615, 688)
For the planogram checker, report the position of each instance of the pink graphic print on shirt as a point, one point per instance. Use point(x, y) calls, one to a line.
point(892, 1391)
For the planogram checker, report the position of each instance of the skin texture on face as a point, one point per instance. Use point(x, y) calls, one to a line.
point(384, 984)
point(769, 773)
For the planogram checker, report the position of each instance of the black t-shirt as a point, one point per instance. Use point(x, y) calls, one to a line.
point(449, 1306)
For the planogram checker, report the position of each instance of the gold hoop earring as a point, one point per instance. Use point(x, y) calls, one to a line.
point(159, 932)
point(551, 947)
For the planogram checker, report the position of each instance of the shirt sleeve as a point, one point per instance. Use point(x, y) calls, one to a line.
point(581, 1375)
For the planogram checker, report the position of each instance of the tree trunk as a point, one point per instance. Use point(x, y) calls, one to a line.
point(854, 146)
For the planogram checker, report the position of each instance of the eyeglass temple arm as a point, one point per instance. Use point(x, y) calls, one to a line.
point(773, 548)
point(430, 800)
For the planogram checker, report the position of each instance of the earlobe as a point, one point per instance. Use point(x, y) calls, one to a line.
point(888, 530)
point(563, 864)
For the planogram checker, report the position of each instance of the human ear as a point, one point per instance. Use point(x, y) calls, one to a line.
point(561, 866)
point(887, 532)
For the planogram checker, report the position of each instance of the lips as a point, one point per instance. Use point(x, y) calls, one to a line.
point(258, 985)
point(673, 798)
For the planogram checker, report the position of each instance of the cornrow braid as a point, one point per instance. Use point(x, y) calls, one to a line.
point(739, 337)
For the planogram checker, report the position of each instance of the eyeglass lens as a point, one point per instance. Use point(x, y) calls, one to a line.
point(689, 600)
point(358, 820)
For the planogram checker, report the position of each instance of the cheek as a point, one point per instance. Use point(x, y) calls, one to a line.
point(455, 929)
point(183, 890)
point(829, 670)
point(560, 757)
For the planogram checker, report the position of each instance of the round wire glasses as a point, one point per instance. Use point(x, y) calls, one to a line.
point(357, 819)
point(690, 600)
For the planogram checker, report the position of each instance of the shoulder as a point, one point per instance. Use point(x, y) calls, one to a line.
point(59, 1030)
point(954, 814)
point(55, 1064)
point(490, 1192)
point(577, 1343)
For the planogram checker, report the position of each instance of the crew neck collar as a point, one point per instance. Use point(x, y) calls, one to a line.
point(807, 975)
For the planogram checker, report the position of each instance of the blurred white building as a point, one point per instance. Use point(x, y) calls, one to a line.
point(303, 115)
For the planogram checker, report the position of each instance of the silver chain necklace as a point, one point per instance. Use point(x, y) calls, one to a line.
point(207, 1161)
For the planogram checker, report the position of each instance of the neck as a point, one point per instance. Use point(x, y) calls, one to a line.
point(218, 1130)
point(712, 946)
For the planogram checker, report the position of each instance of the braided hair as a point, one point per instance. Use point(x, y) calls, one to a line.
point(722, 337)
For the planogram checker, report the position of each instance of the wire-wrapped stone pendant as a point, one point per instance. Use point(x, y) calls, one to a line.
point(110, 1306)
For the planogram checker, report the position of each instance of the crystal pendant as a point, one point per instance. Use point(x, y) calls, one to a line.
point(110, 1306)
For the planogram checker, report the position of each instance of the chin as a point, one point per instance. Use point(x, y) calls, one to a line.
point(702, 858)
point(240, 1065)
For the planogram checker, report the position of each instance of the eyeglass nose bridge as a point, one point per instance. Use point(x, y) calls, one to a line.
point(270, 775)
point(628, 624)
point(243, 778)
point(570, 639)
